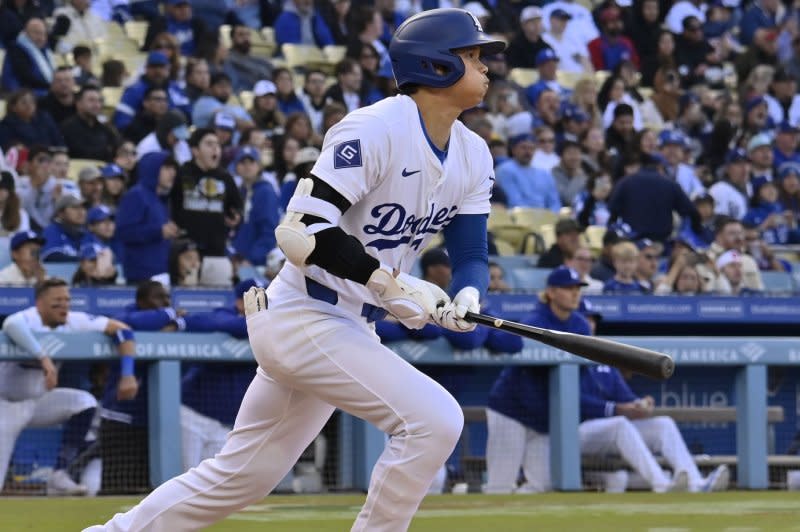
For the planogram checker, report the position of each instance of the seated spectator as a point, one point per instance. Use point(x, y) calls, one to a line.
point(581, 261)
point(59, 101)
point(67, 233)
point(568, 173)
point(293, 25)
point(517, 413)
point(603, 270)
point(243, 68)
point(347, 89)
point(224, 126)
point(125, 158)
point(314, 98)
point(29, 61)
point(25, 125)
point(184, 263)
point(154, 106)
point(783, 102)
point(590, 206)
point(568, 46)
point(730, 194)
point(366, 28)
point(25, 269)
point(730, 236)
point(625, 257)
point(113, 186)
point(673, 148)
point(198, 79)
point(611, 47)
point(786, 140)
point(682, 279)
point(13, 217)
point(83, 71)
point(694, 55)
point(526, 186)
point(31, 386)
point(497, 278)
point(704, 203)
point(265, 111)
point(220, 91)
point(615, 421)
point(90, 183)
point(86, 136)
point(680, 11)
point(167, 44)
point(789, 180)
point(90, 269)
point(40, 190)
point(59, 165)
point(170, 135)
point(100, 222)
point(192, 32)
point(545, 156)
point(760, 15)
point(547, 65)
point(620, 134)
point(574, 124)
point(144, 228)
point(288, 101)
point(613, 94)
point(647, 262)
point(528, 42)
point(84, 25)
point(568, 234)
point(114, 74)
point(13, 16)
point(731, 277)
point(775, 224)
point(255, 237)
point(156, 74)
point(759, 150)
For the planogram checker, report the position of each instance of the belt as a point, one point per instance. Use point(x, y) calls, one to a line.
point(321, 292)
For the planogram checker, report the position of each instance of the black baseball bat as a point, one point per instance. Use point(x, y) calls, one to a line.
point(643, 361)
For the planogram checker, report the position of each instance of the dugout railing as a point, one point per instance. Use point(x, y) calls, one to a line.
point(360, 444)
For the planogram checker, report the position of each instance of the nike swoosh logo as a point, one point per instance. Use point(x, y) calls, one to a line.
point(406, 173)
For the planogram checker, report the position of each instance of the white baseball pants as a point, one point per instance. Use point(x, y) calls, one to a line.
point(509, 446)
point(52, 408)
point(312, 358)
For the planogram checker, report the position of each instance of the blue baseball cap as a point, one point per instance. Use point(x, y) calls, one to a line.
point(787, 127)
point(545, 55)
point(246, 152)
point(564, 276)
point(224, 120)
point(23, 237)
point(244, 286)
point(560, 13)
point(112, 170)
point(754, 102)
point(574, 113)
point(671, 137)
point(736, 156)
point(98, 214)
point(157, 59)
point(513, 141)
point(787, 168)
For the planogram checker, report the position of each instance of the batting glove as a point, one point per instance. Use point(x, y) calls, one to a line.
point(409, 299)
point(451, 315)
point(255, 300)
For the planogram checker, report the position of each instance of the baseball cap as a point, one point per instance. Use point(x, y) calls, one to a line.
point(7, 180)
point(223, 120)
point(157, 59)
point(529, 13)
point(560, 13)
point(476, 8)
point(247, 152)
point(434, 257)
point(781, 74)
point(754, 102)
point(759, 141)
point(787, 168)
point(564, 276)
point(575, 113)
point(525, 137)
point(703, 197)
point(112, 170)
point(644, 243)
point(264, 87)
point(545, 55)
point(23, 237)
point(308, 154)
point(729, 257)
point(787, 127)
point(567, 225)
point(89, 173)
point(243, 286)
point(736, 156)
point(671, 137)
point(98, 214)
point(66, 201)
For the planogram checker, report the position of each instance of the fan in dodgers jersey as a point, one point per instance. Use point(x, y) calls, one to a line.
point(390, 176)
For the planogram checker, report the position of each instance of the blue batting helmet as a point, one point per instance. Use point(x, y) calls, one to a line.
point(427, 40)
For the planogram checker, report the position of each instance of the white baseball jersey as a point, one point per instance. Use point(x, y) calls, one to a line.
point(18, 381)
point(380, 160)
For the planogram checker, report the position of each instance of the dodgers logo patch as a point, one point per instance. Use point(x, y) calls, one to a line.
point(347, 154)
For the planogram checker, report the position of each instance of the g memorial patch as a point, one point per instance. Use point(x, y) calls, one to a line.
point(347, 154)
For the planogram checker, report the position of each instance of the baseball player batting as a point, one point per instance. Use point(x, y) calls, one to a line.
point(390, 177)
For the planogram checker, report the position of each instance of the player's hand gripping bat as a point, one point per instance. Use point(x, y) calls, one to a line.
point(644, 361)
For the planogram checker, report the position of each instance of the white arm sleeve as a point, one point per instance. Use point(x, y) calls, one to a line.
point(21, 334)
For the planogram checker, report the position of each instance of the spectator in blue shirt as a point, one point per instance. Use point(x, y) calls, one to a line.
point(25, 124)
point(526, 186)
point(785, 150)
point(29, 62)
point(517, 414)
point(547, 65)
point(770, 216)
point(191, 32)
point(762, 14)
point(625, 257)
point(219, 94)
point(64, 237)
point(288, 101)
point(300, 23)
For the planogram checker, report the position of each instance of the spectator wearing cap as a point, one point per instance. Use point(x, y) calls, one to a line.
point(64, 237)
point(156, 74)
point(93, 268)
point(255, 237)
point(581, 25)
point(568, 234)
point(524, 185)
point(591, 204)
point(300, 23)
point(625, 256)
point(85, 135)
point(646, 201)
point(680, 11)
point(13, 217)
point(731, 275)
point(40, 190)
point(100, 222)
point(611, 47)
point(704, 203)
point(314, 97)
point(144, 228)
point(673, 144)
point(90, 183)
point(568, 174)
point(574, 124)
point(783, 102)
point(170, 135)
point(25, 269)
point(789, 180)
point(569, 48)
point(84, 25)
point(759, 150)
point(219, 93)
point(769, 216)
point(528, 42)
point(265, 111)
point(224, 125)
point(547, 64)
point(191, 32)
point(756, 115)
point(154, 106)
point(761, 15)
point(29, 61)
point(647, 264)
point(729, 235)
point(206, 203)
point(243, 68)
point(731, 194)
point(24, 124)
point(693, 54)
point(785, 150)
point(113, 185)
point(59, 101)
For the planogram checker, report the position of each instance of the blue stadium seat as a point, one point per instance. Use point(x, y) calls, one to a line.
point(778, 282)
point(64, 270)
point(530, 278)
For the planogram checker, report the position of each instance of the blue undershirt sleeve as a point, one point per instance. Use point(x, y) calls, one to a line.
point(466, 242)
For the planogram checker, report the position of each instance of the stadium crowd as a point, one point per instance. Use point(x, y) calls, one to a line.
point(671, 126)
